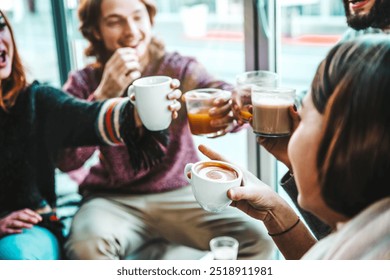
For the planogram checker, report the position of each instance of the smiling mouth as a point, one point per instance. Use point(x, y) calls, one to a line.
point(130, 44)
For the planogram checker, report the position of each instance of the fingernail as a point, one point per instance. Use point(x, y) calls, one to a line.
point(175, 83)
point(135, 75)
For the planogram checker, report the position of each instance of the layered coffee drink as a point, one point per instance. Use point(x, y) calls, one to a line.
point(271, 117)
point(216, 172)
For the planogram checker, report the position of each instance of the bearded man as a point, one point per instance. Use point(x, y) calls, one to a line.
point(366, 17)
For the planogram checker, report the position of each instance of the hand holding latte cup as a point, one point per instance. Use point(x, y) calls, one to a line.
point(155, 98)
point(210, 181)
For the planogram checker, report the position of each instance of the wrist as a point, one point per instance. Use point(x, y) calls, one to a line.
point(286, 230)
point(281, 219)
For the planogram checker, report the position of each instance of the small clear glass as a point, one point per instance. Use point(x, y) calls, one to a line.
point(224, 248)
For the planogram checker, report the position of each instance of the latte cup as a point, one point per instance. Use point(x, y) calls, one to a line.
point(271, 116)
point(151, 101)
point(210, 180)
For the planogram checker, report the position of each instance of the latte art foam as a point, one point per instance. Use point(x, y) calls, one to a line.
point(217, 172)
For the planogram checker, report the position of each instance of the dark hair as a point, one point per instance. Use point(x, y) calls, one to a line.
point(352, 90)
point(89, 13)
point(11, 87)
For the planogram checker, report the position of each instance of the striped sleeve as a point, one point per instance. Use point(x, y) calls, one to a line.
point(109, 120)
point(116, 125)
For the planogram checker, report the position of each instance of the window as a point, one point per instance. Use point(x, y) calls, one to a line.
point(32, 23)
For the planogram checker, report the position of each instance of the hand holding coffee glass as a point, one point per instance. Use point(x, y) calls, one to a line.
point(151, 101)
point(271, 116)
point(244, 83)
point(210, 181)
point(198, 103)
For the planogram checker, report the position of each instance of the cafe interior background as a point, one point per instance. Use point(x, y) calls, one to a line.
point(229, 37)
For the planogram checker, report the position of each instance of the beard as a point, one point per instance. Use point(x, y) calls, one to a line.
point(378, 17)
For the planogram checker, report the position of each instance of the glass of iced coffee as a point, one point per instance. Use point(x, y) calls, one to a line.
point(271, 111)
point(198, 104)
point(244, 83)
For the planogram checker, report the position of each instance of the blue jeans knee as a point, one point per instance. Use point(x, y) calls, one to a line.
point(36, 243)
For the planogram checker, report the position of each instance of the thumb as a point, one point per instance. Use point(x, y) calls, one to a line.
point(237, 193)
point(247, 192)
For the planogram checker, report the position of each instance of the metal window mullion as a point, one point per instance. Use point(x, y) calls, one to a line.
point(61, 36)
point(260, 54)
point(251, 63)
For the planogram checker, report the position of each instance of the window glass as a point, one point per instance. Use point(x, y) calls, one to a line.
point(211, 31)
point(33, 30)
point(309, 28)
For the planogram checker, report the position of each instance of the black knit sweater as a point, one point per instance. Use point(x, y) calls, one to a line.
point(42, 121)
point(45, 120)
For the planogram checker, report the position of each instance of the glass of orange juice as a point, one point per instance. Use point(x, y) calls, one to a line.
point(198, 104)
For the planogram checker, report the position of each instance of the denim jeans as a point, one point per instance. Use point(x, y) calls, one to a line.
point(37, 243)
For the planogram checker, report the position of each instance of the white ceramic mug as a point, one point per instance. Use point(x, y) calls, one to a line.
point(151, 101)
point(210, 181)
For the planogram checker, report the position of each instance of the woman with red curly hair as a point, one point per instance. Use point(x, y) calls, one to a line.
point(36, 122)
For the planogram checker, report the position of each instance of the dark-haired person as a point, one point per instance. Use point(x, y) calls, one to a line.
point(364, 18)
point(340, 154)
point(36, 122)
point(114, 222)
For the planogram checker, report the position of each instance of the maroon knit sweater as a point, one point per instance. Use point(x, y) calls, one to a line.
point(114, 173)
